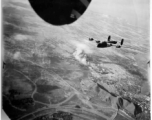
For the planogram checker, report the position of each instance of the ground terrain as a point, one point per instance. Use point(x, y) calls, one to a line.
point(54, 73)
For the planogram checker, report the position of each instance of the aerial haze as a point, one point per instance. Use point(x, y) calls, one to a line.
point(135, 12)
point(55, 72)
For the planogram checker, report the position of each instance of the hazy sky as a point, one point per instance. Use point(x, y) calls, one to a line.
point(136, 12)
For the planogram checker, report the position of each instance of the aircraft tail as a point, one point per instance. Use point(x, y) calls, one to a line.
point(109, 38)
point(122, 40)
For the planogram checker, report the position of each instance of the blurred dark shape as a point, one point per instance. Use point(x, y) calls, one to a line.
point(120, 103)
point(77, 106)
point(91, 39)
point(138, 110)
point(103, 44)
point(112, 42)
point(109, 38)
point(148, 62)
point(59, 12)
point(98, 41)
point(122, 40)
point(118, 46)
point(4, 65)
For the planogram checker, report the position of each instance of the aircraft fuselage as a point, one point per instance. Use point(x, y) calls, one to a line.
point(103, 45)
